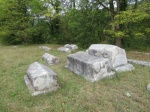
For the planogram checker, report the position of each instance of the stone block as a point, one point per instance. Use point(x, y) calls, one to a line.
point(72, 47)
point(90, 67)
point(64, 49)
point(45, 48)
point(40, 79)
point(116, 56)
point(50, 59)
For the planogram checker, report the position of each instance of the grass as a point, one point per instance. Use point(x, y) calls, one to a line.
point(139, 56)
point(75, 93)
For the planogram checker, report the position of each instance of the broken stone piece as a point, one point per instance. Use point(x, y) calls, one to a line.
point(90, 67)
point(148, 87)
point(116, 55)
point(40, 79)
point(72, 47)
point(45, 48)
point(127, 67)
point(143, 63)
point(64, 49)
point(50, 59)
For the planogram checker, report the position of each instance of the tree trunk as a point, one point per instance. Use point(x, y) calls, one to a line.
point(118, 40)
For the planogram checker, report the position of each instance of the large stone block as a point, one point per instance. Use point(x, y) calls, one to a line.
point(40, 79)
point(90, 67)
point(50, 59)
point(116, 55)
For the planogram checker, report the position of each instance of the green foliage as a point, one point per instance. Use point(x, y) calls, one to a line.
point(134, 26)
point(84, 26)
point(14, 22)
point(21, 22)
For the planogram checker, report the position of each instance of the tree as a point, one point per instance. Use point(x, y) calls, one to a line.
point(121, 6)
point(14, 21)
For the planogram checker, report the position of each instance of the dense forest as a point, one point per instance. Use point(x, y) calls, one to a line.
point(83, 22)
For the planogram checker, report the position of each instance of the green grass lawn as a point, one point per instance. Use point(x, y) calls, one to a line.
point(75, 94)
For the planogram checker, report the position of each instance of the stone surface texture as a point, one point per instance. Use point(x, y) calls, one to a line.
point(116, 56)
point(90, 67)
point(45, 48)
point(143, 63)
point(63, 49)
point(50, 59)
point(40, 79)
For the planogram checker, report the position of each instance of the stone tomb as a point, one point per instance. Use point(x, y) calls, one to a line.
point(90, 67)
point(50, 59)
point(116, 56)
point(40, 79)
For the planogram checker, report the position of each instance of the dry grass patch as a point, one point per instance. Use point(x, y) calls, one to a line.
point(139, 56)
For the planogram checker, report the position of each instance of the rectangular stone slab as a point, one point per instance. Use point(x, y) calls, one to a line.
point(40, 79)
point(90, 67)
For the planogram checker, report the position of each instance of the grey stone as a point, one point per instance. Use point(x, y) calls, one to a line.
point(127, 67)
point(64, 49)
point(116, 55)
point(72, 47)
point(45, 48)
point(148, 87)
point(90, 67)
point(143, 63)
point(40, 79)
point(15, 46)
point(128, 94)
point(50, 59)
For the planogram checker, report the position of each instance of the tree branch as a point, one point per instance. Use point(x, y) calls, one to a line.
point(112, 11)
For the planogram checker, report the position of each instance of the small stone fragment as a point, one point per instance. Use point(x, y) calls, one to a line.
point(128, 94)
point(45, 48)
point(148, 87)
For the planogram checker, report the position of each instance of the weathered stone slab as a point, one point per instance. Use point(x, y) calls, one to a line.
point(72, 47)
point(90, 67)
point(127, 67)
point(143, 63)
point(64, 49)
point(116, 55)
point(40, 79)
point(45, 48)
point(50, 59)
